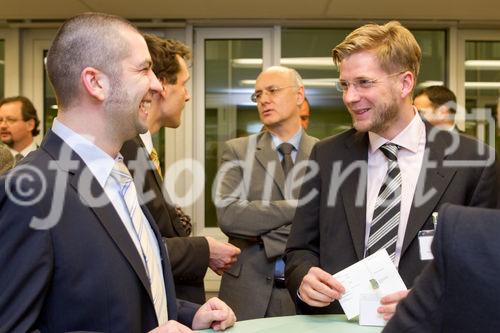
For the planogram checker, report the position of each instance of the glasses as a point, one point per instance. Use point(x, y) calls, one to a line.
point(9, 120)
point(361, 84)
point(271, 91)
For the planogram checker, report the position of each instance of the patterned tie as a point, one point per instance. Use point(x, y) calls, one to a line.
point(386, 216)
point(287, 163)
point(18, 157)
point(128, 191)
point(153, 156)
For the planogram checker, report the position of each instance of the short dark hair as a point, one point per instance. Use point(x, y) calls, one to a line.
point(163, 53)
point(28, 110)
point(439, 95)
point(86, 40)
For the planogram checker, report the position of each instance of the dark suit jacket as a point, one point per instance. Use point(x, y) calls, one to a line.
point(188, 255)
point(460, 290)
point(329, 231)
point(84, 272)
point(247, 286)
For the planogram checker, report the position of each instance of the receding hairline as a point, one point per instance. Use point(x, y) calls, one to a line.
point(293, 76)
point(94, 32)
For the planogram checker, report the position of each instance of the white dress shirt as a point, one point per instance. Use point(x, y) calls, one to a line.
point(148, 141)
point(411, 141)
point(33, 146)
point(100, 165)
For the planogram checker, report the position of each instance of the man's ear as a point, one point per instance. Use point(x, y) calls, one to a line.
point(165, 87)
point(31, 124)
point(408, 84)
point(300, 96)
point(95, 83)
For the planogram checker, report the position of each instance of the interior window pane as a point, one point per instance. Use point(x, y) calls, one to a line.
point(2, 68)
point(308, 51)
point(49, 100)
point(482, 89)
point(231, 67)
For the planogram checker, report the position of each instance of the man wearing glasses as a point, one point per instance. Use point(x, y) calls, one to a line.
point(256, 197)
point(379, 182)
point(18, 125)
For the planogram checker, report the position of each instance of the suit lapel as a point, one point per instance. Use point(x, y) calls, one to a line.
point(431, 185)
point(356, 152)
point(305, 146)
point(137, 145)
point(106, 214)
point(265, 154)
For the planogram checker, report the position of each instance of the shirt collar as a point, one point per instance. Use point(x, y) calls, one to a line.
point(99, 163)
point(407, 138)
point(33, 146)
point(148, 141)
point(294, 140)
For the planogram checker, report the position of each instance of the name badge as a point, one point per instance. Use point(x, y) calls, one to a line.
point(425, 238)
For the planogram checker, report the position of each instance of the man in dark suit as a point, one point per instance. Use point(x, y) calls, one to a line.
point(437, 104)
point(189, 256)
point(255, 200)
point(379, 183)
point(78, 253)
point(18, 125)
point(459, 291)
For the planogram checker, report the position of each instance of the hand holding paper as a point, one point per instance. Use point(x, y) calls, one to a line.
point(389, 303)
point(356, 280)
point(319, 288)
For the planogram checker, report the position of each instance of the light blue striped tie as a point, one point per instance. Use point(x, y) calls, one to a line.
point(122, 175)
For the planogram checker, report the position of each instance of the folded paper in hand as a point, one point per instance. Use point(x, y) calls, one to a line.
point(360, 278)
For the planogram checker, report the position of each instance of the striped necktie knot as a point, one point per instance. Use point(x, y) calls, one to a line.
point(390, 151)
point(121, 174)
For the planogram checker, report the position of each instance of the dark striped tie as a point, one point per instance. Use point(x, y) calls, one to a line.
point(386, 216)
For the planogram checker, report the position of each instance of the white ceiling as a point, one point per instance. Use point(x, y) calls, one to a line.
point(457, 10)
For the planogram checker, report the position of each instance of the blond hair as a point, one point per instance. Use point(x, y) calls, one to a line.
point(394, 46)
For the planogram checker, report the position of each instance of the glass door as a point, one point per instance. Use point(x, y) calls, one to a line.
point(479, 77)
point(227, 63)
point(9, 62)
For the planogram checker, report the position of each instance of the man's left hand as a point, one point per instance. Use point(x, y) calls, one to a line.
point(214, 314)
point(390, 302)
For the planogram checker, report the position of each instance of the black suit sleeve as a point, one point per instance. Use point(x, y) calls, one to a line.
point(422, 310)
point(186, 311)
point(188, 256)
point(26, 262)
point(302, 250)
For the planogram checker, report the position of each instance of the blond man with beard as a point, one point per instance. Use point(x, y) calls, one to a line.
point(380, 181)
